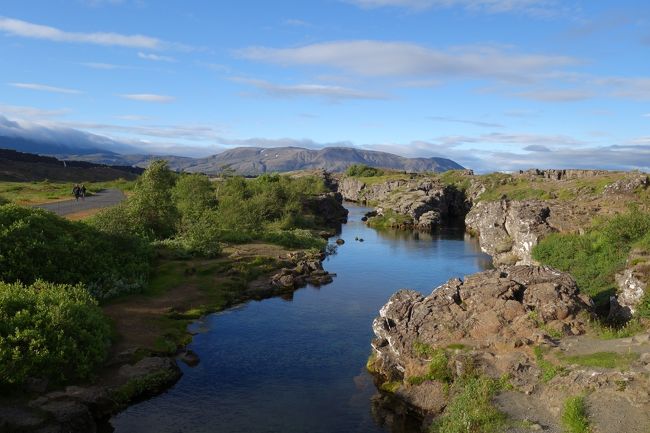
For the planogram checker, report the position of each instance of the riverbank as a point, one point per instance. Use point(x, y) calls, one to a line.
point(201, 247)
point(525, 351)
point(289, 347)
point(151, 334)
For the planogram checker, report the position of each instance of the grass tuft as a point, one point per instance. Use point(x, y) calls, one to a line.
point(620, 361)
point(574, 415)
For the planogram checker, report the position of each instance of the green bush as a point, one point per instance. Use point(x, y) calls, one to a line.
point(37, 244)
point(594, 257)
point(149, 212)
point(362, 170)
point(193, 215)
point(49, 331)
point(297, 238)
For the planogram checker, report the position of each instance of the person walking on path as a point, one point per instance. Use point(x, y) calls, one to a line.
point(83, 191)
point(76, 191)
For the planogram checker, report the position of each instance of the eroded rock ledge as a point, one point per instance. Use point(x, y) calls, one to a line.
point(495, 311)
point(427, 202)
point(507, 323)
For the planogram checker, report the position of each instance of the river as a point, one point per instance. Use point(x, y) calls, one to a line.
point(298, 365)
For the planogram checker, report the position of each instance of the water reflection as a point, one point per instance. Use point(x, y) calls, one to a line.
point(278, 366)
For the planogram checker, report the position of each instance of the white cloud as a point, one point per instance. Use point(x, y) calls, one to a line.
point(149, 97)
point(156, 58)
point(556, 95)
point(56, 134)
point(330, 92)
point(45, 88)
point(106, 66)
point(31, 112)
point(402, 59)
point(296, 23)
point(535, 7)
point(133, 117)
point(466, 121)
point(517, 139)
point(637, 88)
point(36, 31)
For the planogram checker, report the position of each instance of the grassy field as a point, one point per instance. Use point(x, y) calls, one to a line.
point(29, 193)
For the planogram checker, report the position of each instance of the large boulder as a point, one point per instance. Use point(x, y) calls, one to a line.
point(496, 310)
point(327, 207)
point(632, 286)
point(508, 230)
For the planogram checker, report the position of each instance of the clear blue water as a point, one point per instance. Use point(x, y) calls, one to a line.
point(299, 365)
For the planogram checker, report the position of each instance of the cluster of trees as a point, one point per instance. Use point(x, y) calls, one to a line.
point(362, 170)
point(53, 271)
point(190, 213)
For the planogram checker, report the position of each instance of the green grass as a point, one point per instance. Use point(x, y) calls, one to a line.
point(499, 185)
point(470, 408)
point(456, 346)
point(136, 388)
point(390, 387)
point(390, 219)
point(594, 257)
point(548, 369)
point(455, 178)
point(438, 364)
point(41, 192)
point(612, 331)
point(619, 361)
point(574, 415)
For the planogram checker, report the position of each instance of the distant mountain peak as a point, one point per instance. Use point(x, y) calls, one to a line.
point(257, 160)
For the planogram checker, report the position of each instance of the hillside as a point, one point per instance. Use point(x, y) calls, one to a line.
point(255, 160)
point(20, 166)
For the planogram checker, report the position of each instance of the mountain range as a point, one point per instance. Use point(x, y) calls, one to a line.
point(242, 160)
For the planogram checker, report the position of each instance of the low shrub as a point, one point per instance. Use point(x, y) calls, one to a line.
point(49, 331)
point(37, 244)
point(362, 170)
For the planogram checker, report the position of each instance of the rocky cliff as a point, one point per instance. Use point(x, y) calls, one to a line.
point(510, 214)
point(426, 202)
point(496, 311)
point(521, 328)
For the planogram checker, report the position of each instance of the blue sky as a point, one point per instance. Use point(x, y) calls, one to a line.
point(492, 84)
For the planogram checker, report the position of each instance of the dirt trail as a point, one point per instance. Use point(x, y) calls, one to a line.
point(618, 402)
point(102, 199)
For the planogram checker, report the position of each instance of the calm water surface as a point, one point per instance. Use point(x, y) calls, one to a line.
point(298, 365)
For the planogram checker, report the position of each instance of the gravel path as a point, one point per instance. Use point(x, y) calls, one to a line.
point(102, 199)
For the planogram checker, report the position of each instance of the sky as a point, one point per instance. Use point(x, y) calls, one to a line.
point(492, 84)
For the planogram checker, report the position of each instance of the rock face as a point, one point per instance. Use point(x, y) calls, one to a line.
point(496, 311)
point(628, 184)
point(426, 201)
point(508, 230)
point(556, 174)
point(328, 207)
point(78, 409)
point(632, 286)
